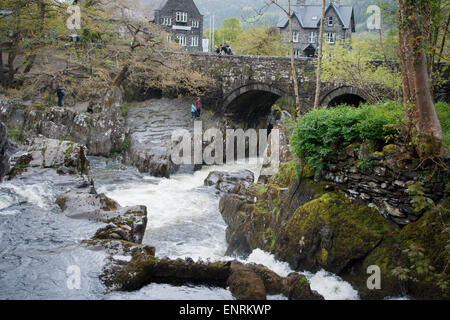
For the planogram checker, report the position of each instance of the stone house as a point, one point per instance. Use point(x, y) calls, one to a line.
point(339, 24)
point(181, 19)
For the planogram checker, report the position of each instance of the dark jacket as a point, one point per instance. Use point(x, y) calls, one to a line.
point(60, 92)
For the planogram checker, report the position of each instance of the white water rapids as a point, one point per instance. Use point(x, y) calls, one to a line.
point(37, 243)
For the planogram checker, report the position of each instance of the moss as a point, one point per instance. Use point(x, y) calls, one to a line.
point(285, 174)
point(427, 233)
point(324, 255)
point(356, 230)
point(69, 151)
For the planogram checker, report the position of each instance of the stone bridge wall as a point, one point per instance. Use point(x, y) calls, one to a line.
point(237, 74)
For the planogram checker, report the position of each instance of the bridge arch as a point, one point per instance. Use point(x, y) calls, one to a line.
point(345, 94)
point(252, 101)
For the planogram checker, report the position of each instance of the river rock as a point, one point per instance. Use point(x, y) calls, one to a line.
point(226, 181)
point(245, 284)
point(123, 223)
point(7, 148)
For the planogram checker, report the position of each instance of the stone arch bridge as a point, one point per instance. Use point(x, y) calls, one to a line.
point(249, 85)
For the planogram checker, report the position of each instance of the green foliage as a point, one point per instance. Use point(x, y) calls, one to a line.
point(419, 201)
point(263, 41)
point(124, 110)
point(443, 111)
point(17, 135)
point(322, 132)
point(365, 165)
point(354, 65)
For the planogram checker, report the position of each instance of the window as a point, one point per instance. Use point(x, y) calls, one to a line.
point(194, 41)
point(298, 53)
point(195, 24)
point(181, 16)
point(314, 18)
point(181, 40)
point(169, 38)
point(312, 37)
point(331, 37)
point(330, 21)
point(166, 21)
point(295, 36)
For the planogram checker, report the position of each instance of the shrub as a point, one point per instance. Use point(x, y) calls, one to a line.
point(443, 111)
point(322, 132)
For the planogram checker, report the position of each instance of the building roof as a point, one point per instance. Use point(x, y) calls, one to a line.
point(309, 15)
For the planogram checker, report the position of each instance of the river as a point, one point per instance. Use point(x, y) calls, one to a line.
point(38, 244)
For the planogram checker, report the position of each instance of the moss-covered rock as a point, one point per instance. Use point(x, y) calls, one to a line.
point(405, 258)
point(330, 232)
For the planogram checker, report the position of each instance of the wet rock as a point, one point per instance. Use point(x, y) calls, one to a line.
point(7, 149)
point(245, 284)
point(51, 153)
point(226, 182)
point(297, 288)
point(124, 223)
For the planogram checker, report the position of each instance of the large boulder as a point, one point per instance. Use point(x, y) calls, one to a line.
point(123, 223)
point(330, 232)
point(226, 181)
point(64, 156)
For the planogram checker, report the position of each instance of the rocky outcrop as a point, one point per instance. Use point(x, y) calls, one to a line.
point(133, 266)
point(65, 156)
point(102, 132)
point(7, 148)
point(123, 223)
point(226, 181)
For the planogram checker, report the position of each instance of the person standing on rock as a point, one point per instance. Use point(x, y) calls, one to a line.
point(198, 106)
point(193, 111)
point(60, 94)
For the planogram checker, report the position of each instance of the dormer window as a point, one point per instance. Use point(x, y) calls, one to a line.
point(330, 21)
point(181, 16)
point(314, 18)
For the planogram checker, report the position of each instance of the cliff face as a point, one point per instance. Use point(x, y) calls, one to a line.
point(103, 132)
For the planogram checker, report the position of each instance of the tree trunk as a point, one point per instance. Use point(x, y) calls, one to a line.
point(319, 59)
point(294, 70)
point(413, 51)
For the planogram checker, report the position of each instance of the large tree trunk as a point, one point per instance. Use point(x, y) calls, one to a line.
point(413, 55)
point(319, 59)
point(294, 70)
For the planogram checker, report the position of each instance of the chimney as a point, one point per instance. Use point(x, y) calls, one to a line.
point(301, 2)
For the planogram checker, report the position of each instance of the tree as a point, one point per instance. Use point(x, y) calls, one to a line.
point(413, 17)
point(356, 67)
point(26, 23)
point(319, 59)
point(264, 41)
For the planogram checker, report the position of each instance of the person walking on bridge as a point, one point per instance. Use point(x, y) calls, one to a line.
point(198, 106)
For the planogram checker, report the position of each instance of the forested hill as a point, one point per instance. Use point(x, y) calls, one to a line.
point(243, 9)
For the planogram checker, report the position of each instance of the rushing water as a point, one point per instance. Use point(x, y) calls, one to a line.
point(38, 244)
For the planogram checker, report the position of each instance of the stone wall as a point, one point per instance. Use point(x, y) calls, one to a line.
point(384, 181)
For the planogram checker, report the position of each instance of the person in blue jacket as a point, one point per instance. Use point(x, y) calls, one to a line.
point(193, 111)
